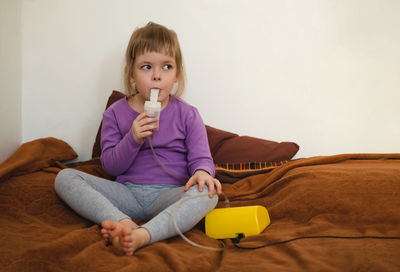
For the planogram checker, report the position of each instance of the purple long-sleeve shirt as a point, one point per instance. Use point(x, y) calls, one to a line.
point(181, 144)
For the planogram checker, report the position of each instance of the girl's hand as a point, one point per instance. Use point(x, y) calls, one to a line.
point(142, 127)
point(201, 177)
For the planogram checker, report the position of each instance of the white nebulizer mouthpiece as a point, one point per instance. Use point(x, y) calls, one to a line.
point(153, 107)
point(154, 95)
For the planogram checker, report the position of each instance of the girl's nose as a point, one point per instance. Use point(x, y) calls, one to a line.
point(156, 75)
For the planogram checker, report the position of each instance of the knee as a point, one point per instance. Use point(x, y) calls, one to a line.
point(210, 202)
point(63, 179)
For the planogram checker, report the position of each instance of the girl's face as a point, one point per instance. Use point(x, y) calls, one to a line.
point(154, 70)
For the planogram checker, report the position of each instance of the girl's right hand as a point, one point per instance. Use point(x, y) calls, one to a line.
point(142, 127)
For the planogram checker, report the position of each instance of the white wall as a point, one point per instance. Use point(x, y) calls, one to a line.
point(324, 74)
point(10, 77)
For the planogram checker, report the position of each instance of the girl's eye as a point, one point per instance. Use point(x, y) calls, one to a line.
point(146, 67)
point(167, 67)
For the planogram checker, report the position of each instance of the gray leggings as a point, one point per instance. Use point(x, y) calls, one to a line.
point(99, 199)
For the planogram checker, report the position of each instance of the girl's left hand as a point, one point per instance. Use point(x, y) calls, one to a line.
point(202, 178)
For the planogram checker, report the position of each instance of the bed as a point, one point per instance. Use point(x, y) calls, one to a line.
point(328, 213)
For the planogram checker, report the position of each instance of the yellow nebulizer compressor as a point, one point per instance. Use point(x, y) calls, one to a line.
point(236, 222)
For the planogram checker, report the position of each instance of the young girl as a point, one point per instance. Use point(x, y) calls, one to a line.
point(144, 190)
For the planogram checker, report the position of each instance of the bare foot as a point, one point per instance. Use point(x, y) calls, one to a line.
point(124, 237)
point(110, 230)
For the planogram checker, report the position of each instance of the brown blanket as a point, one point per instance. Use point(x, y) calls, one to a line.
point(345, 195)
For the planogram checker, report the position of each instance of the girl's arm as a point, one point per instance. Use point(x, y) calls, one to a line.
point(118, 151)
point(199, 155)
point(200, 163)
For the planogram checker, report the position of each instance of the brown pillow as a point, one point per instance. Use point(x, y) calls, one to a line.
point(237, 156)
point(228, 147)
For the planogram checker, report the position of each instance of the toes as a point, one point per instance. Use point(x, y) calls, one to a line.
point(120, 235)
point(108, 224)
point(127, 238)
point(126, 241)
point(110, 229)
point(128, 249)
point(122, 247)
point(104, 232)
point(127, 245)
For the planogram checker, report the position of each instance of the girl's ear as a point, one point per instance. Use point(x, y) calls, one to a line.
point(131, 79)
point(175, 88)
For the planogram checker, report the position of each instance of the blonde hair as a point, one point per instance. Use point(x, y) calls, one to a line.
point(153, 38)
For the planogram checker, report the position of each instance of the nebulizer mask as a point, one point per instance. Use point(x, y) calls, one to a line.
point(220, 223)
